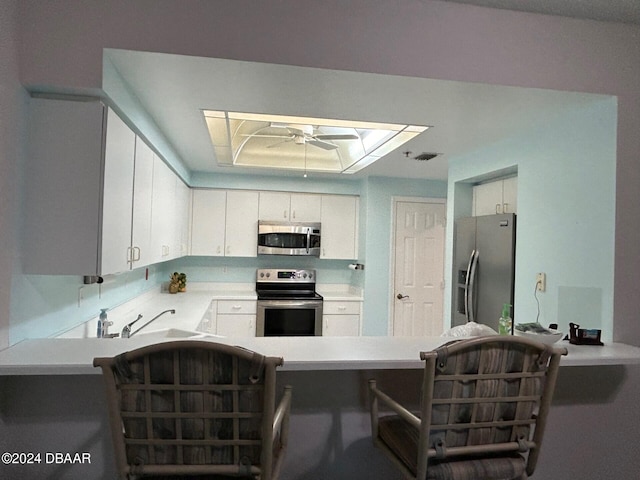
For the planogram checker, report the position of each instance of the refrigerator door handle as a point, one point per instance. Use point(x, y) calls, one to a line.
point(466, 285)
point(472, 283)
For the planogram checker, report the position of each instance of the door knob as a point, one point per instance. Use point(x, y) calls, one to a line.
point(401, 296)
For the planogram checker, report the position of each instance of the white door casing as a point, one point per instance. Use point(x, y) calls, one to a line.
point(418, 267)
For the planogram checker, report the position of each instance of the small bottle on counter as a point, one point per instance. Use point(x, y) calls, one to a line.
point(101, 320)
point(505, 322)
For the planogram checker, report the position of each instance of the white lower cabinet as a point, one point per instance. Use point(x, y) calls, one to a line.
point(341, 318)
point(235, 318)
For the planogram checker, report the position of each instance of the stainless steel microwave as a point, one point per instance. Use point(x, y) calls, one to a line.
point(282, 238)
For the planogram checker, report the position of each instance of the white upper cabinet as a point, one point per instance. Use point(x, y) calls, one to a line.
point(79, 184)
point(289, 207)
point(208, 213)
point(339, 221)
point(117, 214)
point(510, 195)
point(142, 197)
point(182, 219)
point(224, 223)
point(163, 208)
point(496, 197)
point(241, 225)
point(306, 207)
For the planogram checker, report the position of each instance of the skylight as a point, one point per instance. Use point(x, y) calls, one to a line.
point(302, 143)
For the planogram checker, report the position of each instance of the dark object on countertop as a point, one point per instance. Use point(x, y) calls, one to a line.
point(584, 336)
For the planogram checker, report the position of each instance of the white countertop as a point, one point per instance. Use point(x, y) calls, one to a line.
point(73, 351)
point(190, 307)
point(75, 356)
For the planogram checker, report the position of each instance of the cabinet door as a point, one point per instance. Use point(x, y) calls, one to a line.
point(487, 199)
point(181, 219)
point(117, 196)
point(142, 198)
point(274, 206)
point(162, 210)
point(63, 184)
point(341, 325)
point(241, 224)
point(236, 325)
point(208, 216)
point(305, 207)
point(510, 195)
point(339, 217)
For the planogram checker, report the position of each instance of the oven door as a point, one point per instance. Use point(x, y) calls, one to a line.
point(287, 318)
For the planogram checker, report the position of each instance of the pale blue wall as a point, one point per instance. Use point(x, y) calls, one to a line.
point(47, 305)
point(566, 214)
point(379, 193)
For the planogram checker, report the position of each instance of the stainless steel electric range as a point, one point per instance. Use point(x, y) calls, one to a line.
point(288, 304)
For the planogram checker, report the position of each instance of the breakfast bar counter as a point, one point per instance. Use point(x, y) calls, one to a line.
point(63, 356)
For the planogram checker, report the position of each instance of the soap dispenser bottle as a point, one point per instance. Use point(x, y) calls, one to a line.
point(505, 323)
point(101, 322)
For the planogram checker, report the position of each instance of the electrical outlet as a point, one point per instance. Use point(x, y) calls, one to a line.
point(541, 282)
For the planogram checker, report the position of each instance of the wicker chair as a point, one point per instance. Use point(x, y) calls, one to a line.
point(483, 411)
point(195, 409)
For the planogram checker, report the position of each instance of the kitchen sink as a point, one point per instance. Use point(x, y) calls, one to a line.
point(176, 333)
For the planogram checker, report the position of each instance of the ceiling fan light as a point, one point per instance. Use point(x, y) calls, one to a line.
point(272, 141)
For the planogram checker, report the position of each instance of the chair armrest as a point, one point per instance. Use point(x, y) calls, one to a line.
point(281, 415)
point(393, 405)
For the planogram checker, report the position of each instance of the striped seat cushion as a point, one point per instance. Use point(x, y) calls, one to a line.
point(402, 439)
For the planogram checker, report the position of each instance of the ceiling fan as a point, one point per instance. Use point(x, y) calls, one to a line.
point(303, 134)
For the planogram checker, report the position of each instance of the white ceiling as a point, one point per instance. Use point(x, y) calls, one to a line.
point(622, 11)
point(173, 90)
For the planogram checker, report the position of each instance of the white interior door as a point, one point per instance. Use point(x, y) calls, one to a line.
point(419, 268)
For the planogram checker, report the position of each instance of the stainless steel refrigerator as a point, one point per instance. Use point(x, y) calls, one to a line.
point(484, 266)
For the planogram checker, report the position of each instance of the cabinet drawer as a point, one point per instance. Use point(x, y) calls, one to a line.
point(236, 306)
point(341, 308)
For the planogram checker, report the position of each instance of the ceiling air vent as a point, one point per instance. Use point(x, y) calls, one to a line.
point(425, 156)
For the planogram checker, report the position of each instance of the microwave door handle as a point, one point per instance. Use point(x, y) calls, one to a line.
point(308, 239)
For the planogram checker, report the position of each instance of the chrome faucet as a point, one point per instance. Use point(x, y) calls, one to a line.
point(131, 334)
point(126, 331)
point(105, 329)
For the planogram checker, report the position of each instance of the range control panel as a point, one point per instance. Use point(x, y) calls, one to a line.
point(282, 275)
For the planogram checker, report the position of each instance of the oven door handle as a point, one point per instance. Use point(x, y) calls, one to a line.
point(290, 303)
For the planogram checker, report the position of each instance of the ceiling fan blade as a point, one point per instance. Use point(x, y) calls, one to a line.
point(322, 144)
point(280, 143)
point(263, 135)
point(328, 136)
